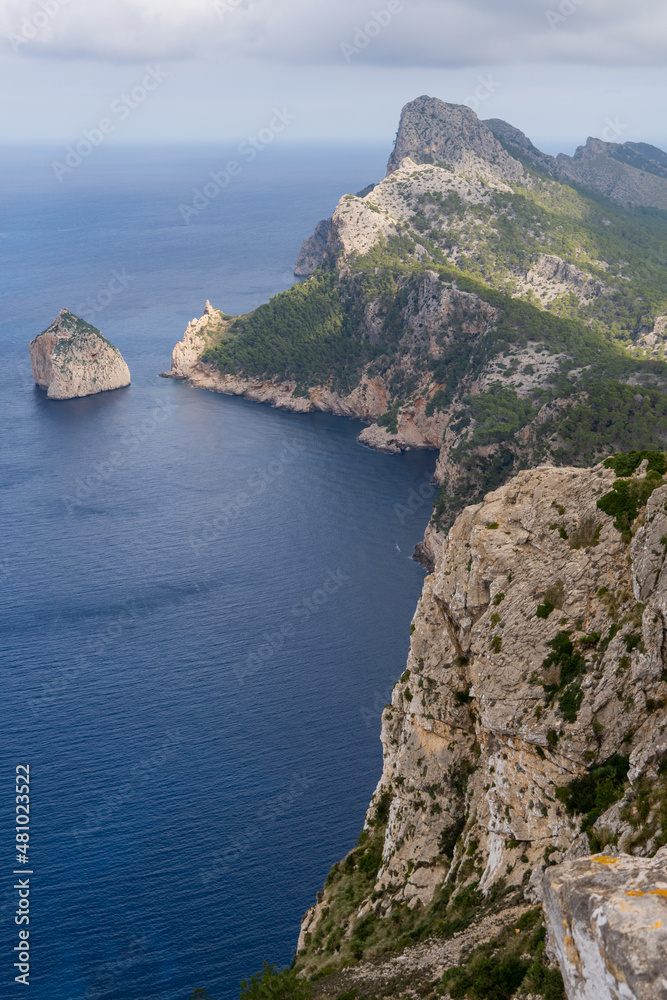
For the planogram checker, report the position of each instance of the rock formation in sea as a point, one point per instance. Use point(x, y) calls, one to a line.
point(72, 358)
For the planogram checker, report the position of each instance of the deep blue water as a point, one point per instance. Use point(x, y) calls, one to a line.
point(205, 602)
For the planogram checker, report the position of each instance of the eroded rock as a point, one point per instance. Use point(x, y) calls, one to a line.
point(537, 654)
point(72, 358)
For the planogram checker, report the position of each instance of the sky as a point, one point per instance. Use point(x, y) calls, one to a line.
point(328, 70)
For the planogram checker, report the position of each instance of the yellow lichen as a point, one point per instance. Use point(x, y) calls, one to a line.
point(652, 892)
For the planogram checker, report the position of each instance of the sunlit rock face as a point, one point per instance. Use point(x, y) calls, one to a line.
point(72, 358)
point(607, 923)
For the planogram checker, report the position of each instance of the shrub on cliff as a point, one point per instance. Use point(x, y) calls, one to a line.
point(625, 463)
point(626, 498)
point(496, 969)
point(594, 792)
point(273, 983)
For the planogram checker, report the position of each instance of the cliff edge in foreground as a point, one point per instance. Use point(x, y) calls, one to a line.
point(72, 358)
point(607, 920)
point(528, 728)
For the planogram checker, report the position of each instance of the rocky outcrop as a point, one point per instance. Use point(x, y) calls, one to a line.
point(653, 341)
point(72, 358)
point(551, 276)
point(607, 923)
point(414, 429)
point(537, 658)
point(196, 338)
point(432, 131)
point(312, 249)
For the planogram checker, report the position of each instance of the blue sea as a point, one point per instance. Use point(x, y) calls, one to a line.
point(205, 601)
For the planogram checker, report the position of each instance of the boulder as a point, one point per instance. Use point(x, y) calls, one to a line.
point(607, 923)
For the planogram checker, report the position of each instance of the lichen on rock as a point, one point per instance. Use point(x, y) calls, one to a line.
point(607, 922)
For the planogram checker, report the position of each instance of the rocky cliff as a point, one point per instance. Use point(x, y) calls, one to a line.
point(72, 358)
point(529, 725)
point(312, 249)
point(432, 131)
point(481, 301)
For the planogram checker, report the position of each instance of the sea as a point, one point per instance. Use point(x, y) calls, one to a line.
point(205, 602)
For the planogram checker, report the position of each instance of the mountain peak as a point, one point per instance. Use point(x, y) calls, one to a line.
point(594, 147)
point(432, 131)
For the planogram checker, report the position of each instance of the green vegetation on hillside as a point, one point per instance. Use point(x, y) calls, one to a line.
point(359, 317)
point(592, 794)
point(273, 983)
point(622, 249)
point(302, 334)
point(515, 958)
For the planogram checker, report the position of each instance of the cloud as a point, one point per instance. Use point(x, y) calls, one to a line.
point(421, 33)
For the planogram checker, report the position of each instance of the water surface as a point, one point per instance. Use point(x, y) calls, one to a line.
point(205, 601)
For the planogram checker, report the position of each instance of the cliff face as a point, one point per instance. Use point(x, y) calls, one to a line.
point(312, 249)
point(432, 131)
point(72, 358)
point(533, 703)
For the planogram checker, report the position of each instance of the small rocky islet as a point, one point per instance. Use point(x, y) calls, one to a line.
point(71, 358)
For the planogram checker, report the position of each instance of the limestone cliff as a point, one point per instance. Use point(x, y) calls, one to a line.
point(529, 725)
point(198, 334)
point(72, 358)
point(432, 131)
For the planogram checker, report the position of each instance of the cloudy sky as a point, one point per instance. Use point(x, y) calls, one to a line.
point(185, 70)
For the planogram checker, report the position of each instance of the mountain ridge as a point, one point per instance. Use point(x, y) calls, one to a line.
point(432, 131)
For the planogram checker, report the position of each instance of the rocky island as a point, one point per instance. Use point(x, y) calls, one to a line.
point(71, 358)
